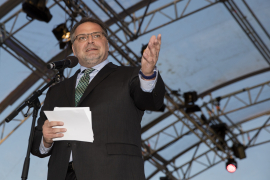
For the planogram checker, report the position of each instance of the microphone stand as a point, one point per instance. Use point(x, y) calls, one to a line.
point(34, 102)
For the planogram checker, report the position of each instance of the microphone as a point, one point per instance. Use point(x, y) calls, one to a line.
point(70, 62)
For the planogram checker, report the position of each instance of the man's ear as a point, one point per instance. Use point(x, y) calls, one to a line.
point(108, 46)
point(73, 50)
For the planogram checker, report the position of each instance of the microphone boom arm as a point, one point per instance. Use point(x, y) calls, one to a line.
point(29, 102)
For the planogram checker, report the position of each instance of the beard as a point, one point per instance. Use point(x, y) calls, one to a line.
point(92, 60)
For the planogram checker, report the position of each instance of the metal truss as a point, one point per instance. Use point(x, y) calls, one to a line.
point(25, 55)
point(220, 106)
point(194, 124)
point(233, 81)
point(14, 17)
point(19, 121)
point(20, 52)
point(30, 60)
point(131, 26)
point(135, 23)
point(205, 157)
point(8, 6)
point(29, 82)
point(201, 159)
point(16, 122)
point(247, 28)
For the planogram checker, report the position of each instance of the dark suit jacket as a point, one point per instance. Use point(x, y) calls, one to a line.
point(117, 104)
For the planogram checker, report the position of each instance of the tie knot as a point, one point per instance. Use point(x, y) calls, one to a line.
point(88, 71)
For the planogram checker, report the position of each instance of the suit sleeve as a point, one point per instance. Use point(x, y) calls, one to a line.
point(147, 100)
point(38, 129)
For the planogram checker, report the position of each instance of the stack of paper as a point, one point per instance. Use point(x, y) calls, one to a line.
point(77, 121)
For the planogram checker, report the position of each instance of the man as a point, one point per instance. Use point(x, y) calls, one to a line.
point(117, 97)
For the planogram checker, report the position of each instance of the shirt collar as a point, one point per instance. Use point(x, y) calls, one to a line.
point(97, 67)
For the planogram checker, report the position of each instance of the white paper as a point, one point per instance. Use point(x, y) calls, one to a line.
point(77, 121)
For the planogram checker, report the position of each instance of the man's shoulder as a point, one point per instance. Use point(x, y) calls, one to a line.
point(57, 85)
point(65, 80)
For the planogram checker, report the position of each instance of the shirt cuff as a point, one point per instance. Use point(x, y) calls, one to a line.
point(43, 149)
point(148, 86)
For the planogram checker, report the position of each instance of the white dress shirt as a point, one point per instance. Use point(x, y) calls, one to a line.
point(146, 86)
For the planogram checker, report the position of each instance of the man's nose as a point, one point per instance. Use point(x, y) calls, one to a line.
point(90, 38)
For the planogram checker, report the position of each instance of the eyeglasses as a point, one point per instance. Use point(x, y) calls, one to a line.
point(85, 37)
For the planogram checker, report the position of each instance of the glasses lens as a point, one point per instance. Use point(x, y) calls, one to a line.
point(82, 37)
point(97, 35)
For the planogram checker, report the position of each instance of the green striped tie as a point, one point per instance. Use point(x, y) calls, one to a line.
point(82, 85)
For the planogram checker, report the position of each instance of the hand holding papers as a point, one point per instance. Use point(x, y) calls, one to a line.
point(77, 121)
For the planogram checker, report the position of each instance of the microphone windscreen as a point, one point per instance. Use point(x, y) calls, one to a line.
point(49, 66)
point(73, 61)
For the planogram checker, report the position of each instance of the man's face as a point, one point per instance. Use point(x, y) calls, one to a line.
point(92, 51)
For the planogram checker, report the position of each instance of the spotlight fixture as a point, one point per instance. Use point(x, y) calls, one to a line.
point(192, 109)
point(190, 98)
point(220, 130)
point(239, 151)
point(231, 165)
point(36, 9)
point(62, 34)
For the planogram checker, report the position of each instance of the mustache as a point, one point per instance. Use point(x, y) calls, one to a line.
point(91, 46)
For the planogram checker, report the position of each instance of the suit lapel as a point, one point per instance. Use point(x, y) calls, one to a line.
point(70, 88)
point(102, 74)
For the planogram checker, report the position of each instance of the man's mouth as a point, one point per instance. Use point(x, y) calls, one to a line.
point(91, 49)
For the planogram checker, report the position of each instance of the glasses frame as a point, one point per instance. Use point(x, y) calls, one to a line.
point(88, 36)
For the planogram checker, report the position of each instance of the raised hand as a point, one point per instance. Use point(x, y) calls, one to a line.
point(150, 55)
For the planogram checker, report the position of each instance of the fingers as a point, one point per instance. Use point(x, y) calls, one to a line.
point(53, 123)
point(50, 131)
point(150, 55)
point(153, 47)
point(159, 39)
point(155, 43)
point(146, 55)
point(58, 130)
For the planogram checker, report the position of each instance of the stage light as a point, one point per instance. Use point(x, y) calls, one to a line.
point(220, 130)
point(192, 109)
point(190, 98)
point(36, 9)
point(231, 165)
point(66, 36)
point(62, 34)
point(239, 151)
